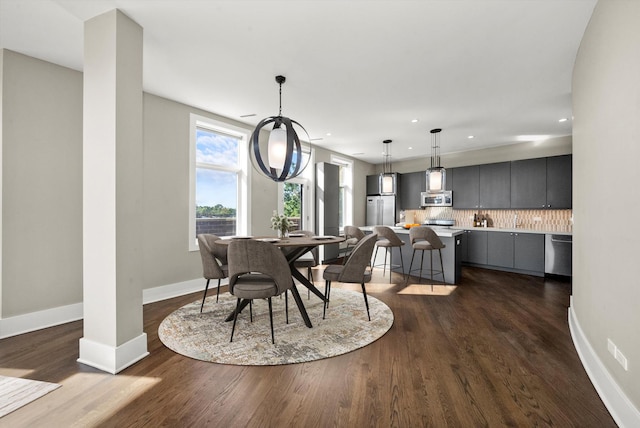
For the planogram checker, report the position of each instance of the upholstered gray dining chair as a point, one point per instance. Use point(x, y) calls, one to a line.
point(352, 235)
point(257, 270)
point(356, 270)
point(388, 240)
point(214, 261)
point(425, 239)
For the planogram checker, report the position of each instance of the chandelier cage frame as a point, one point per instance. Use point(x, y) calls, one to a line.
point(294, 161)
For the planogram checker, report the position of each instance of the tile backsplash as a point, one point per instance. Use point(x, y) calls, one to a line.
point(551, 220)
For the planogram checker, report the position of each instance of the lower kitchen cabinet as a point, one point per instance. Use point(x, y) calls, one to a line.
point(518, 251)
point(473, 247)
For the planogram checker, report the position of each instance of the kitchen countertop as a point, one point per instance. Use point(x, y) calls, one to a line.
point(456, 230)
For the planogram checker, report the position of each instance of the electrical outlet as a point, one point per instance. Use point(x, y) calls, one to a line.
point(621, 359)
point(611, 347)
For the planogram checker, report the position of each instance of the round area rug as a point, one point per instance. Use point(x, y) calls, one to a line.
point(205, 336)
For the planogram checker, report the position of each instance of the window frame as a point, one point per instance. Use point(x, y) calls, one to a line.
point(243, 190)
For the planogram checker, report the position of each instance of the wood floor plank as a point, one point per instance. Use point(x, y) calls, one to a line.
point(493, 351)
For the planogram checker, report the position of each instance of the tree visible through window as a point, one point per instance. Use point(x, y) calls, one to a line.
point(293, 203)
point(217, 170)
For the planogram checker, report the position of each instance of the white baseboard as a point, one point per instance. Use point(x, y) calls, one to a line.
point(621, 408)
point(113, 359)
point(32, 321)
point(38, 320)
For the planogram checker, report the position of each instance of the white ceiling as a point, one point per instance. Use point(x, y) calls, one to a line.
point(360, 70)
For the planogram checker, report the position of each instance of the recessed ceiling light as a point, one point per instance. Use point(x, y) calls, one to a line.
point(414, 120)
point(410, 148)
point(564, 119)
point(328, 134)
point(470, 137)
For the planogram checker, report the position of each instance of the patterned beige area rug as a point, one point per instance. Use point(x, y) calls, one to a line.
point(16, 392)
point(205, 336)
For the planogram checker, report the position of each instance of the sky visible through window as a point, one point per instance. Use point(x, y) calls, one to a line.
point(213, 186)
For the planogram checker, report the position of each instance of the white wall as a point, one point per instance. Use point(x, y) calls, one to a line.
point(606, 134)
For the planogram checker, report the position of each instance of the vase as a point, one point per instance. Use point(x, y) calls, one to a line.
point(283, 233)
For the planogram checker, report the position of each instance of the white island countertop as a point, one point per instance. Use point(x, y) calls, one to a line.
point(445, 231)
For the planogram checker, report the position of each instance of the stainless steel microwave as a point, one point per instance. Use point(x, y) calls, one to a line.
point(439, 199)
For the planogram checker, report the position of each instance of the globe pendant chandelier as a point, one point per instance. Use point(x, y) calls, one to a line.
point(436, 175)
point(281, 157)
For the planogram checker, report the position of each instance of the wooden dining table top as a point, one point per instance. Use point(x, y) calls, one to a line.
point(290, 241)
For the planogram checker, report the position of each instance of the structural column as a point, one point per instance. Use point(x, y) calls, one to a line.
point(112, 193)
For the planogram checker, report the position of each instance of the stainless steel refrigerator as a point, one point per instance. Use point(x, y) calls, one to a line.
point(381, 210)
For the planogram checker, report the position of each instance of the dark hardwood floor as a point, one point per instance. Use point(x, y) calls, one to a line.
point(494, 351)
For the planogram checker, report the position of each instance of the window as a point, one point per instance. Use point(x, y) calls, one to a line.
point(345, 207)
point(218, 179)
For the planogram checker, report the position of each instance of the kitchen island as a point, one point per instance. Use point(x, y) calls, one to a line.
point(451, 258)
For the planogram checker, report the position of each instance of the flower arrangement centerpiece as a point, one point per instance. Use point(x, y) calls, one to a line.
point(281, 224)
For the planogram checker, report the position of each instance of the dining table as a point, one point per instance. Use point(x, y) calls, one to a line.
point(293, 246)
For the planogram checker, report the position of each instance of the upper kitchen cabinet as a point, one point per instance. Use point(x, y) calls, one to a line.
point(559, 183)
point(529, 183)
point(466, 187)
point(413, 184)
point(495, 185)
point(541, 183)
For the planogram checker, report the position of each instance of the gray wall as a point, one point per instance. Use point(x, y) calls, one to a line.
point(606, 107)
point(41, 185)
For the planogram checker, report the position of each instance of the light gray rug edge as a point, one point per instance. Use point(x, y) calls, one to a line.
point(18, 392)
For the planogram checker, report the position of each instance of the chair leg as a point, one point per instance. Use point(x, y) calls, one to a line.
point(310, 278)
point(273, 341)
point(235, 317)
point(218, 292)
point(410, 265)
point(286, 305)
point(421, 264)
point(384, 266)
point(441, 265)
point(366, 302)
point(401, 261)
point(251, 310)
point(327, 288)
point(205, 295)
point(375, 256)
point(431, 263)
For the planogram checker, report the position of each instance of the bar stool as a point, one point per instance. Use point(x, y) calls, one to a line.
point(388, 239)
point(423, 239)
point(352, 235)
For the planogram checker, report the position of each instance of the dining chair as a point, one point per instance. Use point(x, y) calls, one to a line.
point(214, 262)
point(257, 270)
point(388, 240)
point(352, 235)
point(356, 270)
point(425, 239)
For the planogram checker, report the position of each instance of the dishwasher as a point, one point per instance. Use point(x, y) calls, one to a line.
point(557, 254)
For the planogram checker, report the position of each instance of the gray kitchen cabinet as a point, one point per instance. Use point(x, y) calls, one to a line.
point(465, 187)
point(559, 183)
point(448, 182)
point(373, 186)
point(411, 186)
point(477, 247)
point(327, 212)
point(495, 185)
point(528, 252)
point(500, 249)
point(515, 250)
point(529, 184)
